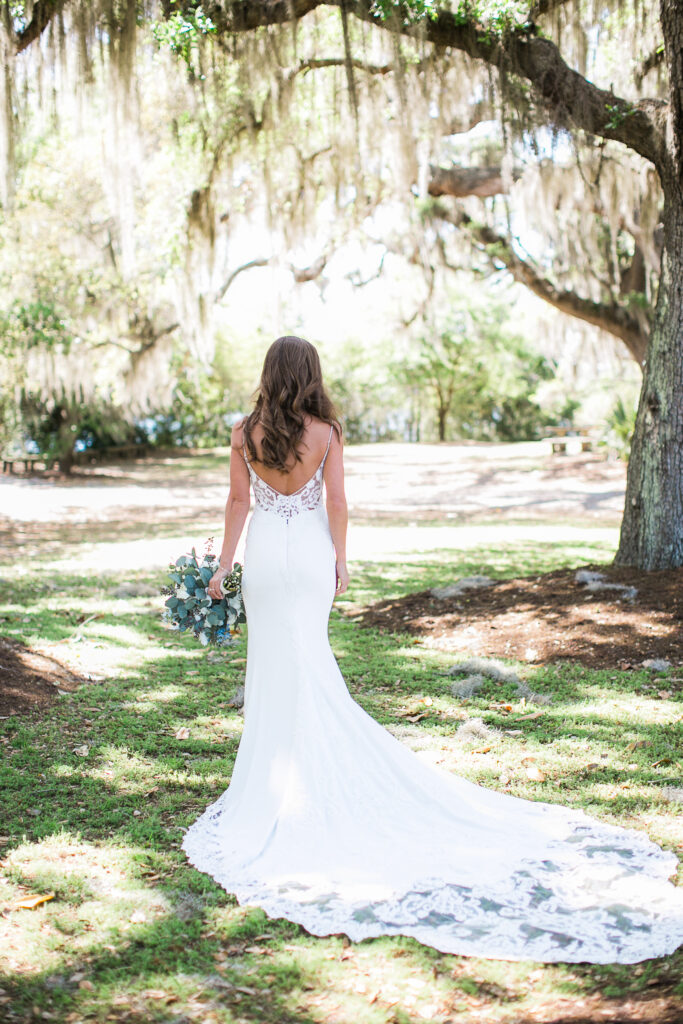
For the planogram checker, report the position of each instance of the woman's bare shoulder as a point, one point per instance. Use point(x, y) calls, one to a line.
point(317, 433)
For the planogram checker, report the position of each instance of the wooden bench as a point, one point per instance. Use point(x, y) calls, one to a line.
point(559, 444)
point(29, 462)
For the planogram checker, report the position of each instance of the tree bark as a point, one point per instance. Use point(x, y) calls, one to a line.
point(652, 526)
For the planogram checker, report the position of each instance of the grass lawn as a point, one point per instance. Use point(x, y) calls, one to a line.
point(96, 793)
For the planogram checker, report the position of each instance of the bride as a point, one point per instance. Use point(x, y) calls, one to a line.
point(329, 820)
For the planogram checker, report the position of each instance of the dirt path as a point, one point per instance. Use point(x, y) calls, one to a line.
point(456, 481)
point(425, 498)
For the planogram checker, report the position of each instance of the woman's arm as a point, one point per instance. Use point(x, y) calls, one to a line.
point(337, 512)
point(236, 511)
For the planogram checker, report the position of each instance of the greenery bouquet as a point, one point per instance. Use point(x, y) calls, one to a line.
point(189, 606)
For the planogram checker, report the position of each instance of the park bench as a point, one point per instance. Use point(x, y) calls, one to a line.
point(559, 437)
point(29, 462)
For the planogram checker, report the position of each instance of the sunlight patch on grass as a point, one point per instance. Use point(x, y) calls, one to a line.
point(156, 696)
point(93, 891)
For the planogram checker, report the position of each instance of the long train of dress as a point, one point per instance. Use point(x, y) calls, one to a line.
point(331, 822)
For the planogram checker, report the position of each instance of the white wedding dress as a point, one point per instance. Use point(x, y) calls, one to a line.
point(331, 822)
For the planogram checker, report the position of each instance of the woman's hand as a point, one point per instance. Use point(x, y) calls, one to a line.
point(342, 577)
point(214, 587)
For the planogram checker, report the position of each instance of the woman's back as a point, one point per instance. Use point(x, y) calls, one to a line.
point(312, 448)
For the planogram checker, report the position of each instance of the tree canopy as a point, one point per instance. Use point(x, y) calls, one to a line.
point(514, 131)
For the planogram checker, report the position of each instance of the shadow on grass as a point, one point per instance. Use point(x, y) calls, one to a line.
point(169, 781)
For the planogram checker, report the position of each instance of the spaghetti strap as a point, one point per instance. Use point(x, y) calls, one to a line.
point(329, 442)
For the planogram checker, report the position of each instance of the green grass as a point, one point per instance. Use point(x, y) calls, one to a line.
point(133, 933)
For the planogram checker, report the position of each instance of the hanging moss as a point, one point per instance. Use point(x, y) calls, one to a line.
point(310, 122)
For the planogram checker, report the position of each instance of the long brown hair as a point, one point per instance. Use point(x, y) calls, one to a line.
point(291, 388)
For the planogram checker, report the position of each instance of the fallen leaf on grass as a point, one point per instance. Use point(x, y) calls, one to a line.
point(182, 733)
point(534, 714)
point(29, 902)
point(415, 718)
point(482, 750)
point(535, 774)
point(664, 694)
point(83, 750)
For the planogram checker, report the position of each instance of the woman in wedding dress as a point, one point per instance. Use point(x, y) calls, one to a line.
point(329, 820)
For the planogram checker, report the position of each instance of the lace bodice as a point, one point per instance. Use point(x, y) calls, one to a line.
point(306, 498)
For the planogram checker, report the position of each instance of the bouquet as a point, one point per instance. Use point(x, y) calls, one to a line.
point(188, 605)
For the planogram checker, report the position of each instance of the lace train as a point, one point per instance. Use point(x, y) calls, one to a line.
point(551, 909)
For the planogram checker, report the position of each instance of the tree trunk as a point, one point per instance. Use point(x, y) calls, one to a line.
point(65, 440)
point(442, 412)
point(652, 527)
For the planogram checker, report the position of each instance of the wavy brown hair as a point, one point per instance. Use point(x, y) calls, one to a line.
point(291, 388)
